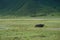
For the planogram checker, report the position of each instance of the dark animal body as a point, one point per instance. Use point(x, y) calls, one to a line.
point(39, 25)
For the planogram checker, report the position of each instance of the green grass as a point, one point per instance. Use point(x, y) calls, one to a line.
point(25, 30)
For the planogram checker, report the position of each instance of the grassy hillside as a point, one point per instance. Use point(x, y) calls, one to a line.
point(30, 8)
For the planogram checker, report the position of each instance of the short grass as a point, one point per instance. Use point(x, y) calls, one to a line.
point(25, 30)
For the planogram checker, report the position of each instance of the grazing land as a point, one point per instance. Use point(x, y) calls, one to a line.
point(26, 30)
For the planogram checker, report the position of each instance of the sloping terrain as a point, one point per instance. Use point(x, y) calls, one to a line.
point(30, 7)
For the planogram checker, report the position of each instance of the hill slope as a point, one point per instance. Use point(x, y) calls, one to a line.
point(30, 7)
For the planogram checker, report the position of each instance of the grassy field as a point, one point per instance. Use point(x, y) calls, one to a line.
point(26, 30)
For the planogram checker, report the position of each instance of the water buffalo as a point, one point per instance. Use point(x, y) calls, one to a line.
point(39, 25)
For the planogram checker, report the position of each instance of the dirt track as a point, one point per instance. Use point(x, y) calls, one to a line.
point(52, 29)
